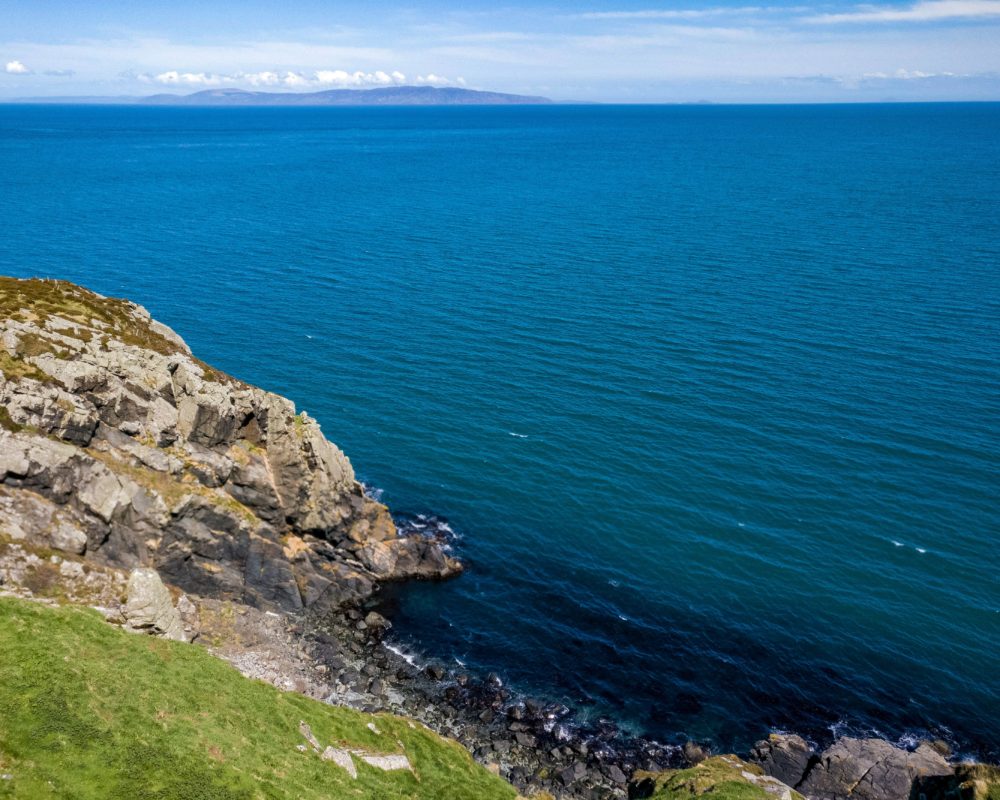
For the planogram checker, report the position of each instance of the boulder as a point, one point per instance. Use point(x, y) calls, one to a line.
point(572, 773)
point(786, 757)
point(149, 608)
point(871, 769)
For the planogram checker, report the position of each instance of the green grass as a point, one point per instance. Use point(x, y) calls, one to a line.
point(88, 711)
point(719, 778)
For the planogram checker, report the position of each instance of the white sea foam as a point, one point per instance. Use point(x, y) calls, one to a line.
point(898, 544)
point(518, 435)
point(613, 582)
point(920, 549)
point(908, 741)
point(409, 658)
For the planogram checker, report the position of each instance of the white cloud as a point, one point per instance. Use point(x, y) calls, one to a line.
point(925, 11)
point(258, 78)
point(431, 80)
point(174, 78)
point(908, 75)
point(17, 68)
point(323, 78)
point(295, 80)
point(342, 78)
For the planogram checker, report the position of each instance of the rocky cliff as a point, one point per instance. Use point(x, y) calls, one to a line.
point(117, 443)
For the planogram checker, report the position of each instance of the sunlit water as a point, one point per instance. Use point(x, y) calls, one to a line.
point(710, 393)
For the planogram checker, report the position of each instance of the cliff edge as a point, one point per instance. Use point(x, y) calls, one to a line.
point(118, 444)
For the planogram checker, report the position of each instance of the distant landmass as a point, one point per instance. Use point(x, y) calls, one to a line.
point(383, 96)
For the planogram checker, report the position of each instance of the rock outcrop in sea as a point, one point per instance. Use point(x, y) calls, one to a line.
point(116, 442)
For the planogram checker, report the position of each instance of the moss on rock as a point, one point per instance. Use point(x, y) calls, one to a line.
point(721, 777)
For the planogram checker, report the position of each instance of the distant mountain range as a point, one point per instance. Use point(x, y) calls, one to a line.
point(383, 96)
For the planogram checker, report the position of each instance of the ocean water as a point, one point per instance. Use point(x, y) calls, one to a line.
point(711, 395)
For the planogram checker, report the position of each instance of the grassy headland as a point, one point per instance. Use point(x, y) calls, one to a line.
point(88, 711)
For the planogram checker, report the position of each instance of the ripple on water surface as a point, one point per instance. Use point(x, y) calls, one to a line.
point(712, 393)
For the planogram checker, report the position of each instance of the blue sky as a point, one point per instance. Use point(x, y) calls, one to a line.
point(594, 50)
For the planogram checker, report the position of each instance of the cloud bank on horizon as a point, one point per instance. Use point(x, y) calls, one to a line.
point(606, 50)
point(289, 80)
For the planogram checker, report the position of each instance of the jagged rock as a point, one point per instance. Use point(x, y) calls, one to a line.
point(149, 608)
point(412, 557)
point(156, 460)
point(572, 773)
point(27, 516)
point(871, 769)
point(188, 613)
point(786, 757)
point(614, 772)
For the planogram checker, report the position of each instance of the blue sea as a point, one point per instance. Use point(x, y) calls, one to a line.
point(710, 395)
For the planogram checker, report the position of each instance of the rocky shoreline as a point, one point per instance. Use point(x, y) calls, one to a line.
point(344, 658)
point(124, 460)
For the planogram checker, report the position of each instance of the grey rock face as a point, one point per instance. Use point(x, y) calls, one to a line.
point(783, 756)
point(116, 442)
point(27, 516)
point(871, 769)
point(150, 609)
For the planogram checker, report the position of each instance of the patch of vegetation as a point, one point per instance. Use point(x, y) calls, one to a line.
point(720, 777)
point(15, 368)
point(37, 299)
point(31, 344)
point(970, 782)
point(88, 711)
point(6, 422)
point(42, 580)
point(172, 489)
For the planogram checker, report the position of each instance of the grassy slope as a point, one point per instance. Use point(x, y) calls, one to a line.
point(88, 711)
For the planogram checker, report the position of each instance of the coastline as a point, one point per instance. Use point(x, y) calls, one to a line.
point(121, 451)
point(539, 747)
